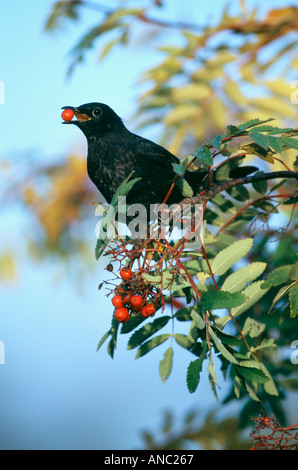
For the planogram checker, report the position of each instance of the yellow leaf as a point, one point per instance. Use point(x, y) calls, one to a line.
point(194, 92)
point(280, 87)
point(222, 58)
point(247, 74)
point(8, 271)
point(217, 113)
point(276, 105)
point(233, 91)
point(180, 113)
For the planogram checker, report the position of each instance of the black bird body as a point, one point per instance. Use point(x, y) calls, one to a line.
point(114, 152)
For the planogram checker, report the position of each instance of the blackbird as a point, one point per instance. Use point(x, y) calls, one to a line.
point(114, 152)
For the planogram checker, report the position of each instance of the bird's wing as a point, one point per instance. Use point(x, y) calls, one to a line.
point(155, 153)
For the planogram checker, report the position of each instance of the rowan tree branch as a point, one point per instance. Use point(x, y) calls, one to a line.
point(214, 190)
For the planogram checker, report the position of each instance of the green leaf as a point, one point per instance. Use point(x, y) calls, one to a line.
point(186, 189)
point(100, 247)
point(293, 274)
point(236, 281)
point(260, 186)
point(277, 277)
point(220, 299)
point(226, 258)
point(179, 169)
point(204, 154)
point(194, 370)
point(124, 188)
point(251, 392)
point(212, 376)
point(266, 141)
point(252, 123)
point(252, 374)
point(143, 333)
point(293, 297)
point(184, 341)
point(240, 193)
point(254, 293)
point(280, 294)
point(183, 314)
point(151, 344)
point(199, 322)
point(253, 328)
point(113, 341)
point(271, 130)
point(289, 142)
point(221, 348)
point(103, 339)
point(166, 364)
point(216, 142)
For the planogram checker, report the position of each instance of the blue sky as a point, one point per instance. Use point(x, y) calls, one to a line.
point(56, 390)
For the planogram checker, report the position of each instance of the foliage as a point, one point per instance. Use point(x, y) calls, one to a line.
point(192, 90)
point(238, 295)
point(219, 279)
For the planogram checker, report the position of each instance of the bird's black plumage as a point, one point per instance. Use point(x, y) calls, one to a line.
point(114, 152)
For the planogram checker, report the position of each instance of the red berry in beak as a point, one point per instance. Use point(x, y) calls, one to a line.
point(67, 114)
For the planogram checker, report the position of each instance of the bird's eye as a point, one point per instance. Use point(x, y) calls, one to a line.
point(97, 112)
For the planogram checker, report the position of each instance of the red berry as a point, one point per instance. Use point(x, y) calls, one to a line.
point(67, 114)
point(126, 273)
point(122, 314)
point(148, 310)
point(127, 297)
point(267, 420)
point(136, 302)
point(117, 301)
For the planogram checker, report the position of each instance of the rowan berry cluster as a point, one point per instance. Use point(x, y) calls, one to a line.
point(133, 296)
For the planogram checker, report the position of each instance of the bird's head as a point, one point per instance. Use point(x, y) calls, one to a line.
point(94, 119)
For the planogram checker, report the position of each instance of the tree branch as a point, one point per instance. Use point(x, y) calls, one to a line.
point(212, 192)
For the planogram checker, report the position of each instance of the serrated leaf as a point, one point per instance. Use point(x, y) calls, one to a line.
point(100, 247)
point(260, 186)
point(221, 348)
point(199, 322)
point(151, 344)
point(186, 189)
point(212, 376)
point(216, 142)
point(254, 293)
point(113, 341)
point(103, 339)
point(253, 122)
point(240, 193)
point(251, 392)
point(289, 142)
point(237, 386)
point(267, 141)
point(183, 340)
point(293, 297)
point(236, 281)
point(293, 274)
point(166, 364)
point(283, 291)
point(252, 374)
point(193, 373)
point(183, 314)
point(220, 299)
point(277, 277)
point(204, 154)
point(226, 258)
point(143, 333)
